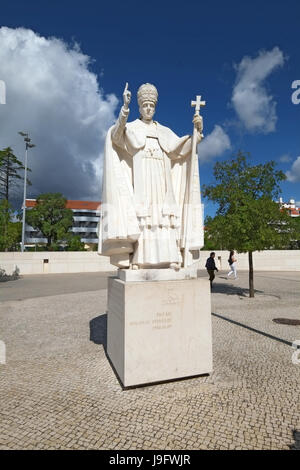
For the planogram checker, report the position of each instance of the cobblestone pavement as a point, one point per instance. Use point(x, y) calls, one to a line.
point(36, 285)
point(58, 391)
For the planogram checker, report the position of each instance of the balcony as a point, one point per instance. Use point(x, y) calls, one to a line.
point(85, 218)
point(84, 229)
point(35, 240)
point(85, 212)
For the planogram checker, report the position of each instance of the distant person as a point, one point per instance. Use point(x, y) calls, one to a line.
point(232, 263)
point(211, 267)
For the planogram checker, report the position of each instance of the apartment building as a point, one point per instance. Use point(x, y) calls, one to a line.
point(86, 217)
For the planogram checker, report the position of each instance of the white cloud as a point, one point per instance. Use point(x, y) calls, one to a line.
point(213, 145)
point(51, 94)
point(293, 175)
point(285, 158)
point(250, 99)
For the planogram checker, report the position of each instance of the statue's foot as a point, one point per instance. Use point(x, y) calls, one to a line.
point(175, 266)
point(134, 266)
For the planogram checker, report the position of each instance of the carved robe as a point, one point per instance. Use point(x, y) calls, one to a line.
point(145, 197)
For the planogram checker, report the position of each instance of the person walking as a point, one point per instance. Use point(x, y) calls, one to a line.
point(232, 263)
point(211, 267)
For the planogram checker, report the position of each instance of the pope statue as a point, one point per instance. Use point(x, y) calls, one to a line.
point(151, 206)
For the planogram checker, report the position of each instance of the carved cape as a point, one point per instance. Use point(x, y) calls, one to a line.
point(123, 193)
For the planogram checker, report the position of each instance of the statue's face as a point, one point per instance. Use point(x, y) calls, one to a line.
point(147, 110)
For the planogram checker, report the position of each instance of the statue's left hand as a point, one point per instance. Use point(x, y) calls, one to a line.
point(198, 122)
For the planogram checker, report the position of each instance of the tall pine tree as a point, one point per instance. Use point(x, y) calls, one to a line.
point(10, 169)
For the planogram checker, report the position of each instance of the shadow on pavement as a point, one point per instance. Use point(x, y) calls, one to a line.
point(229, 289)
point(296, 445)
point(255, 330)
point(98, 330)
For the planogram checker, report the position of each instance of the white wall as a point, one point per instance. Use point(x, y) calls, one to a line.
point(269, 260)
point(58, 262)
point(90, 261)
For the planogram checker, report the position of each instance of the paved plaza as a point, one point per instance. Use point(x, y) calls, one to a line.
point(58, 390)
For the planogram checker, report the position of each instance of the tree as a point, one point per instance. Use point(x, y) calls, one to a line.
point(213, 234)
point(51, 217)
point(295, 241)
point(10, 232)
point(75, 243)
point(247, 218)
point(10, 168)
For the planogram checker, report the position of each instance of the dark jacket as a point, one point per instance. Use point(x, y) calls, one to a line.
point(210, 264)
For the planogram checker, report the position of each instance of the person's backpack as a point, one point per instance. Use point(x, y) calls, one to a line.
point(210, 263)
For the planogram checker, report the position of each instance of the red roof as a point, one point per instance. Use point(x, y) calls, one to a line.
point(88, 205)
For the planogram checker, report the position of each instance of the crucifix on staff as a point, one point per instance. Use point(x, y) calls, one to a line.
point(189, 200)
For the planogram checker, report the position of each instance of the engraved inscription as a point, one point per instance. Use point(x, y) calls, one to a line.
point(172, 297)
point(139, 323)
point(162, 320)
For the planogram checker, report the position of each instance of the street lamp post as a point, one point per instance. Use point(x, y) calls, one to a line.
point(28, 145)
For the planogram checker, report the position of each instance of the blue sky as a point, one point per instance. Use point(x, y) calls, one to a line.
point(184, 48)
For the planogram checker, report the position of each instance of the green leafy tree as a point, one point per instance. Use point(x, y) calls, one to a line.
point(247, 218)
point(213, 234)
point(51, 218)
point(75, 243)
point(14, 236)
point(295, 240)
point(10, 232)
point(10, 168)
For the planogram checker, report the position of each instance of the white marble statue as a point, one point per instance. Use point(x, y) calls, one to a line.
point(151, 206)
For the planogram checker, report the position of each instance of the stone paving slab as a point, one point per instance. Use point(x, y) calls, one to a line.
point(37, 285)
point(58, 390)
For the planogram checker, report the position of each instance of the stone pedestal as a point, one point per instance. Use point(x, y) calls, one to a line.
point(130, 275)
point(159, 330)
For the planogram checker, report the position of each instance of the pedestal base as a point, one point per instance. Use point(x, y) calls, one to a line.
point(159, 330)
point(130, 275)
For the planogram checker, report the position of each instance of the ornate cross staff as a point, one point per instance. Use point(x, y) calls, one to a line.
point(197, 104)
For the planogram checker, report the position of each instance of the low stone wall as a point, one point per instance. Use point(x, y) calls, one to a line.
point(269, 260)
point(46, 262)
point(89, 261)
